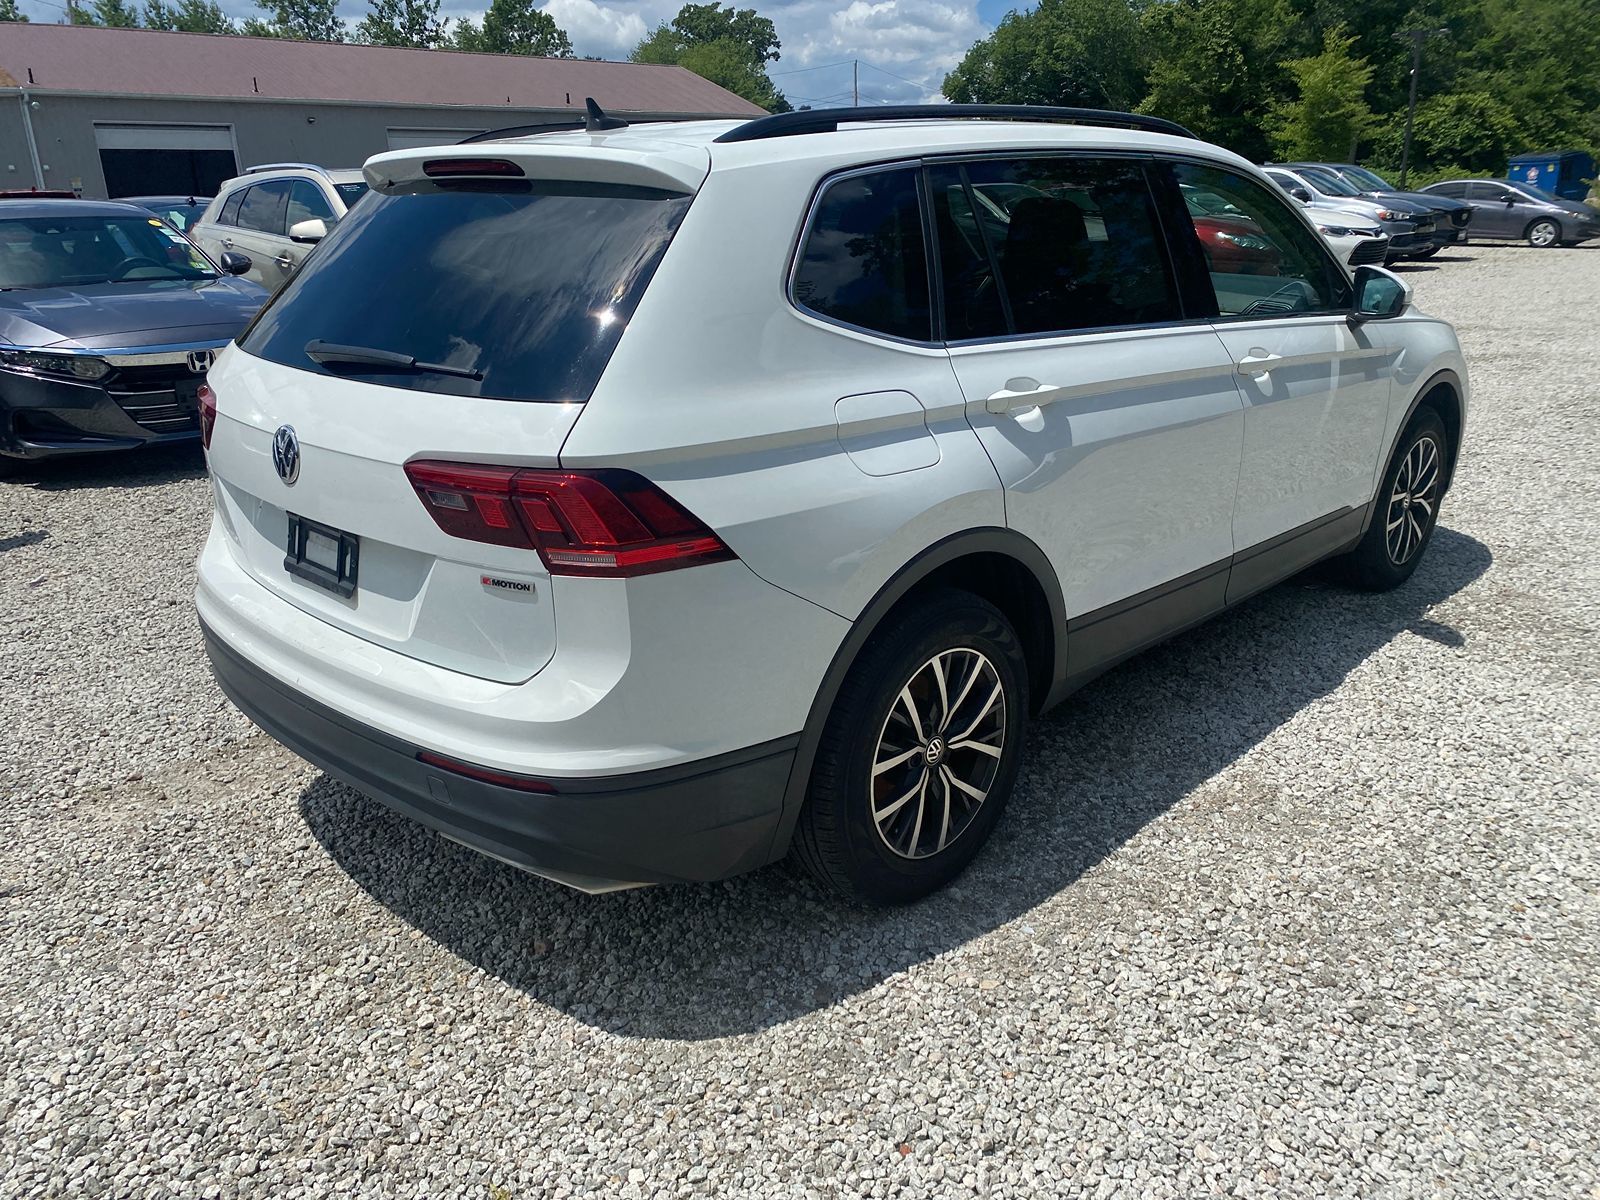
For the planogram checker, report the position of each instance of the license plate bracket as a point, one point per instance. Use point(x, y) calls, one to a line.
point(322, 555)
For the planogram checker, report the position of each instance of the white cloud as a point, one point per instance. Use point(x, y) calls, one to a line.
point(609, 30)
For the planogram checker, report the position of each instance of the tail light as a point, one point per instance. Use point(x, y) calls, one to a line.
point(522, 783)
point(607, 523)
point(445, 168)
point(208, 413)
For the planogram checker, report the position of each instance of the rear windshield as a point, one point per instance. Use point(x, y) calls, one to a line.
point(531, 289)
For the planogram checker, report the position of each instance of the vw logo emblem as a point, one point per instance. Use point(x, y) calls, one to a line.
point(200, 361)
point(286, 454)
point(933, 752)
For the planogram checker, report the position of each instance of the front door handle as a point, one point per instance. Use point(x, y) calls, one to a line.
point(1258, 362)
point(284, 261)
point(1018, 395)
point(228, 242)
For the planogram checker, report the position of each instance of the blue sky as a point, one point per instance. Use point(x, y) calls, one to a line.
point(904, 46)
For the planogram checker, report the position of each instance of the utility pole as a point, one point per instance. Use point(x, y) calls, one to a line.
point(855, 82)
point(1417, 36)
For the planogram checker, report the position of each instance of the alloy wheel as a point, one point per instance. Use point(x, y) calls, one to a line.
point(1413, 501)
point(938, 753)
point(1544, 234)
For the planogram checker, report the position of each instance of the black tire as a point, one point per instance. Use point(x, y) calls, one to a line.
point(837, 837)
point(1422, 254)
point(1388, 554)
point(1543, 233)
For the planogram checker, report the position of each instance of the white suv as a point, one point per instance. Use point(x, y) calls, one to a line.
point(642, 504)
point(274, 214)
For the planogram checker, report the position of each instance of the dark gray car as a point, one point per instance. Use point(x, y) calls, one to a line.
point(1520, 212)
point(109, 319)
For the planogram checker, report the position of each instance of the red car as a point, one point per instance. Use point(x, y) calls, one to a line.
point(1236, 245)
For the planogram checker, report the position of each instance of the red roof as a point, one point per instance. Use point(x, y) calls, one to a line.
point(146, 62)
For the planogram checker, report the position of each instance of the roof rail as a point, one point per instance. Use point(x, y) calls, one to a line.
point(828, 120)
point(290, 166)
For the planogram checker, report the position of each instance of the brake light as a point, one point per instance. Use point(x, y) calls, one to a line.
point(445, 168)
point(521, 783)
point(208, 413)
point(607, 523)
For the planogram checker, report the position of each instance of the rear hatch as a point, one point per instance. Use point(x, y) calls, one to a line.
point(462, 313)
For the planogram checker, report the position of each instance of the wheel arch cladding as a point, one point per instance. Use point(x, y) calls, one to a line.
point(1442, 393)
point(1000, 565)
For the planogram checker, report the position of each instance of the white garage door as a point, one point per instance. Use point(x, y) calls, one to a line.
point(164, 137)
point(160, 160)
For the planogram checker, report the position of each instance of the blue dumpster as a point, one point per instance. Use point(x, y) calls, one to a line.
point(1565, 172)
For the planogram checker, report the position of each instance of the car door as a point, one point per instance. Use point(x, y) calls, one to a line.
point(1114, 425)
point(1315, 389)
point(260, 232)
point(306, 203)
point(215, 235)
point(1491, 215)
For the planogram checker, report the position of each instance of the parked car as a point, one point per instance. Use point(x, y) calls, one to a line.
point(276, 213)
point(1505, 209)
point(631, 540)
point(109, 319)
point(37, 194)
point(1453, 216)
point(181, 212)
point(1410, 227)
point(1568, 174)
point(1354, 242)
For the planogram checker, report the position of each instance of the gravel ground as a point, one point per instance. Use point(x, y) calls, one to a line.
point(1303, 904)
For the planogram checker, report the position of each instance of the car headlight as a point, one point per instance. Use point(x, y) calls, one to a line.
point(1388, 214)
point(1348, 231)
point(1245, 241)
point(76, 365)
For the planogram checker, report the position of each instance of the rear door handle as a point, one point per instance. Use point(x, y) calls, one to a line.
point(1019, 395)
point(1258, 363)
point(228, 242)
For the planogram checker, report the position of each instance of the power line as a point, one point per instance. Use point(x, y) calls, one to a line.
point(799, 70)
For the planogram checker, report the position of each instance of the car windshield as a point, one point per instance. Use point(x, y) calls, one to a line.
point(350, 192)
point(1331, 184)
point(179, 216)
point(76, 250)
point(1363, 176)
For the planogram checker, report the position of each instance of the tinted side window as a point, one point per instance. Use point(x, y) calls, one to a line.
point(1490, 192)
point(306, 202)
point(1261, 258)
point(264, 207)
point(1049, 245)
point(229, 214)
point(863, 262)
point(1454, 191)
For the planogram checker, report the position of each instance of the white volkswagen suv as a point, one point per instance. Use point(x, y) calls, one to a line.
point(644, 504)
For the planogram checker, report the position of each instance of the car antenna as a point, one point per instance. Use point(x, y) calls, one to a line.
point(596, 120)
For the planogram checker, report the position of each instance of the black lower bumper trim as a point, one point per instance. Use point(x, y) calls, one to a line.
point(694, 823)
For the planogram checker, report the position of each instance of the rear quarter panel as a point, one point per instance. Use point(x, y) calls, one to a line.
point(728, 397)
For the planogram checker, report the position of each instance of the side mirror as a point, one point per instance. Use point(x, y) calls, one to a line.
point(1510, 198)
point(313, 230)
point(234, 263)
point(1380, 295)
point(1301, 195)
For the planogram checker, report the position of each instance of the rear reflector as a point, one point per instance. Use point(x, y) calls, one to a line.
point(521, 783)
point(446, 168)
point(208, 413)
point(606, 523)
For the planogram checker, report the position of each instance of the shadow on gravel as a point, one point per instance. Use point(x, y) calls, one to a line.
point(730, 958)
point(116, 469)
point(28, 537)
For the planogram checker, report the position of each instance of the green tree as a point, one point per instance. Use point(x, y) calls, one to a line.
point(402, 23)
point(1473, 131)
point(1216, 66)
point(1329, 116)
point(188, 16)
point(1077, 52)
point(10, 12)
point(116, 14)
point(302, 20)
point(513, 27)
point(730, 47)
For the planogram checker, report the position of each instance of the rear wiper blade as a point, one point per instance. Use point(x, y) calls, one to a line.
point(330, 354)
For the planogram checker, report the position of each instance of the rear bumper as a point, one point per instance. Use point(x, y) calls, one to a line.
point(694, 822)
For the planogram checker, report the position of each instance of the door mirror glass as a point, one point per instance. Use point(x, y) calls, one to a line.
point(234, 263)
point(313, 229)
point(1379, 294)
point(1301, 195)
point(1509, 198)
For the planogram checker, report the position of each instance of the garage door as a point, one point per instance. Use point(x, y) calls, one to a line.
point(165, 160)
point(411, 139)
